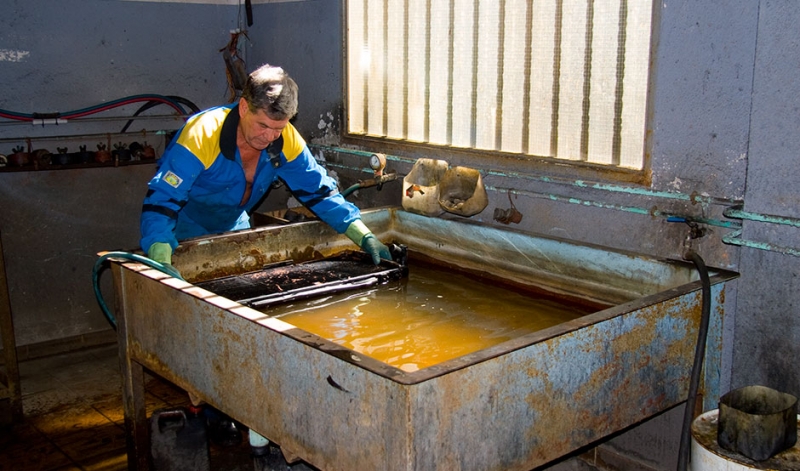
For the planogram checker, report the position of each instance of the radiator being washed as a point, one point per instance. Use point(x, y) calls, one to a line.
point(287, 281)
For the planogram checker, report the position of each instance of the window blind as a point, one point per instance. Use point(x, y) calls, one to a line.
point(565, 79)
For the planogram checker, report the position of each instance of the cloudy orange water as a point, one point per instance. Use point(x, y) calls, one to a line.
point(431, 317)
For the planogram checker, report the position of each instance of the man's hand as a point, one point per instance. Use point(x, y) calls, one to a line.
point(162, 253)
point(371, 245)
point(360, 234)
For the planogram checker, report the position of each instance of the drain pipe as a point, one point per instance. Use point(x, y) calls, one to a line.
point(700, 348)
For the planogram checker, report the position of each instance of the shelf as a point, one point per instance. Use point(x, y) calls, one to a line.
point(78, 151)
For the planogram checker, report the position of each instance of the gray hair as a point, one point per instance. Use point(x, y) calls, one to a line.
point(270, 89)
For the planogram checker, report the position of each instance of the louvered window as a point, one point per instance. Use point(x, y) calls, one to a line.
point(564, 79)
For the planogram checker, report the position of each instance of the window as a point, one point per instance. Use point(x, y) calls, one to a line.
point(564, 79)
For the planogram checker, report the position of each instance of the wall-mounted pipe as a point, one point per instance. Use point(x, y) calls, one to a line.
point(694, 197)
point(735, 238)
point(377, 181)
point(734, 211)
point(653, 212)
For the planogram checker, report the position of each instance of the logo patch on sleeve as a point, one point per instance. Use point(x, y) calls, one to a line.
point(173, 180)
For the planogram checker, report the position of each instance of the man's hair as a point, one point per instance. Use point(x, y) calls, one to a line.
point(270, 89)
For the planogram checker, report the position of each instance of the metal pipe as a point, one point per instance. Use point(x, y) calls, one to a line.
point(653, 212)
point(736, 212)
point(732, 212)
point(735, 238)
point(377, 181)
point(693, 197)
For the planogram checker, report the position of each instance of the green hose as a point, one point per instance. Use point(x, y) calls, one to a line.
point(98, 265)
point(351, 189)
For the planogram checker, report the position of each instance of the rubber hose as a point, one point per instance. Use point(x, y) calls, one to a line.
point(697, 367)
point(98, 266)
point(93, 109)
point(350, 189)
point(183, 101)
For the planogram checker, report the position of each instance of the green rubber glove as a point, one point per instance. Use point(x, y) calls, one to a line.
point(375, 248)
point(162, 253)
point(360, 234)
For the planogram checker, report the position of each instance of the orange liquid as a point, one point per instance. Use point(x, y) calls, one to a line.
point(431, 317)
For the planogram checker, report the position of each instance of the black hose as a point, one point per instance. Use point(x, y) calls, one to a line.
point(98, 266)
point(697, 368)
point(183, 101)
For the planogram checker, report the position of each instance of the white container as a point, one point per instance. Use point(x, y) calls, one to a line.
point(707, 455)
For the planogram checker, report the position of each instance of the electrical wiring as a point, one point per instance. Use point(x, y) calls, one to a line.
point(171, 101)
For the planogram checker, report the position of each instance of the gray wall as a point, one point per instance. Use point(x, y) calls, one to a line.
point(766, 342)
point(724, 122)
point(66, 55)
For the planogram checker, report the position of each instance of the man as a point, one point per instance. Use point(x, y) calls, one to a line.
point(222, 163)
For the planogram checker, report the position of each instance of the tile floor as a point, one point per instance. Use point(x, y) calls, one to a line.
point(73, 419)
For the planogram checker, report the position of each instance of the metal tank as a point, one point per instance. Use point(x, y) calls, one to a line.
point(514, 406)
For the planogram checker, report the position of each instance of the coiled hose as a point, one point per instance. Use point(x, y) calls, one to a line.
point(98, 267)
point(697, 367)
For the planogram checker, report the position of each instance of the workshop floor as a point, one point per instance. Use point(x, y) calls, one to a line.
point(73, 417)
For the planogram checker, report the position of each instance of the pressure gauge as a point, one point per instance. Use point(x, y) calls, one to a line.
point(377, 162)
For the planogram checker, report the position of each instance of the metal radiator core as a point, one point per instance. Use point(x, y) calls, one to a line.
point(286, 281)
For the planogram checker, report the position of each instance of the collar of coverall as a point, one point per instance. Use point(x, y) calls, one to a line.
point(227, 139)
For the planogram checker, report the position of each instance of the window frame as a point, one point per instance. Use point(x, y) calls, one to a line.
point(510, 162)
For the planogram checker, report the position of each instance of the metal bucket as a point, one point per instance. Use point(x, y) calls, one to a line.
point(708, 455)
point(757, 422)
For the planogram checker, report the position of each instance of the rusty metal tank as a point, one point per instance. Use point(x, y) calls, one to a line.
point(514, 406)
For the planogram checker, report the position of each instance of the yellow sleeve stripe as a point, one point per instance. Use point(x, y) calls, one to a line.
point(200, 136)
point(293, 142)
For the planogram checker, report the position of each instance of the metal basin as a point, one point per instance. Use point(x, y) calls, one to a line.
point(514, 406)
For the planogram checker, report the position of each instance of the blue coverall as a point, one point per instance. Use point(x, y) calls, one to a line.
point(200, 181)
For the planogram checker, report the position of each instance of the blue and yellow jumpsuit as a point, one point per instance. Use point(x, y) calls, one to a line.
point(200, 182)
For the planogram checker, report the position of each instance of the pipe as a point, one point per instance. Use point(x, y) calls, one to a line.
point(735, 238)
point(377, 181)
point(697, 367)
point(736, 212)
point(98, 265)
point(653, 212)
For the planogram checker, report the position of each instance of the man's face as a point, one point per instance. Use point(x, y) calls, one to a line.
point(258, 129)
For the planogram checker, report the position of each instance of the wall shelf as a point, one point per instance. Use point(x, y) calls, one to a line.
point(79, 151)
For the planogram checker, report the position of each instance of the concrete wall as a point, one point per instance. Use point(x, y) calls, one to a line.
point(723, 114)
point(767, 338)
point(723, 129)
point(66, 55)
